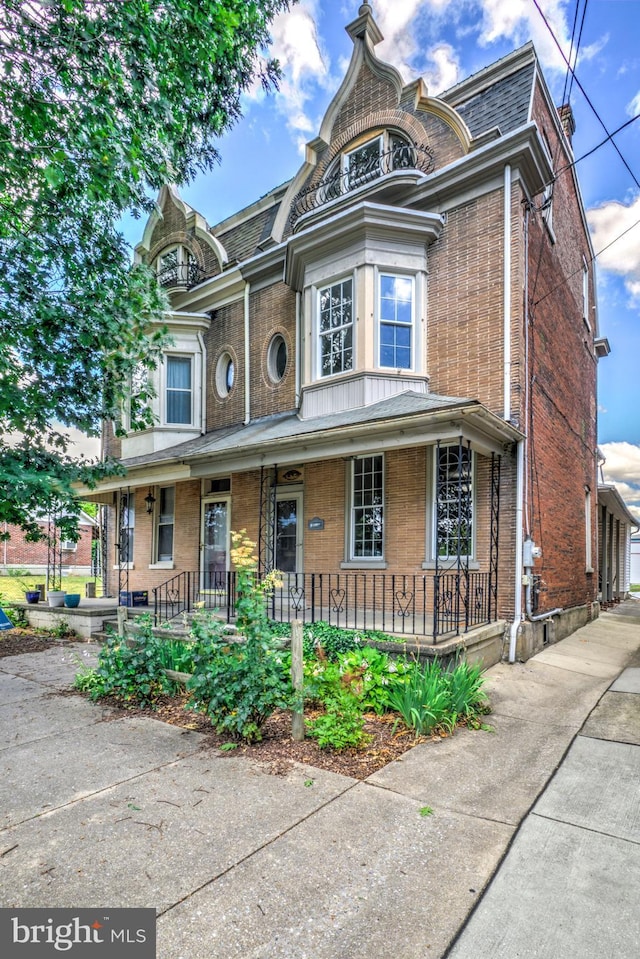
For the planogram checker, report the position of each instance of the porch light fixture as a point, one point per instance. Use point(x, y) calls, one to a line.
point(150, 500)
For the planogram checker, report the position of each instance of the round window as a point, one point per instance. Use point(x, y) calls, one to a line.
point(277, 356)
point(225, 374)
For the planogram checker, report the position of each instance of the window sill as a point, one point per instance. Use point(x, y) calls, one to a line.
point(165, 564)
point(123, 566)
point(589, 570)
point(364, 564)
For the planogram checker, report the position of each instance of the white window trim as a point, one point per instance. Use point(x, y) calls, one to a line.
point(317, 290)
point(379, 273)
point(196, 362)
point(585, 292)
point(353, 561)
point(157, 563)
point(588, 531)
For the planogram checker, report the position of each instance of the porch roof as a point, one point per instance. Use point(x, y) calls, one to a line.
point(401, 421)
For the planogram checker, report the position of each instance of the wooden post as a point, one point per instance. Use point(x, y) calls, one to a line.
point(122, 618)
point(297, 681)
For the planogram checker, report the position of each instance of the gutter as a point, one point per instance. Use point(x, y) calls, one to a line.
point(517, 616)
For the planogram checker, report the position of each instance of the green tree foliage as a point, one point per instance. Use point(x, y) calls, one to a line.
point(101, 103)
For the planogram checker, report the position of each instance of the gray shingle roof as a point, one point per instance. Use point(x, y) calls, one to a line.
point(504, 105)
point(285, 426)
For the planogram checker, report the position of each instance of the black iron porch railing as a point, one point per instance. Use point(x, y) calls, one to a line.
point(439, 606)
point(402, 156)
point(182, 275)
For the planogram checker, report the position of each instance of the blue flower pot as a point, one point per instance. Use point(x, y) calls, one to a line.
point(71, 600)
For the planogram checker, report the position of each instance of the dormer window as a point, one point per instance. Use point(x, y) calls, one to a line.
point(177, 268)
point(364, 162)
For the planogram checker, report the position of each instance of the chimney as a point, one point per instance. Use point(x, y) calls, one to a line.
point(566, 119)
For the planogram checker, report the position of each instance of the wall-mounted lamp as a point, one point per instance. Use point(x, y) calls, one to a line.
point(150, 500)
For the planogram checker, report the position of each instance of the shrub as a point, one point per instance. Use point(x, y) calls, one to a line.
point(341, 726)
point(130, 669)
point(372, 675)
point(239, 685)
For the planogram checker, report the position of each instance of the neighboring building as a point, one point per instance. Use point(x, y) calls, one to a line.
point(616, 524)
point(18, 553)
point(635, 561)
point(384, 370)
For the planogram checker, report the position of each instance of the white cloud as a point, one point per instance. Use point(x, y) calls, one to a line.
point(622, 470)
point(304, 64)
point(615, 230)
point(519, 21)
point(622, 464)
point(633, 108)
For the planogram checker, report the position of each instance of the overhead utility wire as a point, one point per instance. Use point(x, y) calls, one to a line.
point(598, 145)
point(586, 96)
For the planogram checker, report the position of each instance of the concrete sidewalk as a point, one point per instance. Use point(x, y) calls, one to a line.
point(99, 811)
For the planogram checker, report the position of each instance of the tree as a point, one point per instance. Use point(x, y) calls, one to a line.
point(101, 103)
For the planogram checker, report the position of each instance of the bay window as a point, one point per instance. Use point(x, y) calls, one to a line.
point(395, 327)
point(336, 328)
point(179, 406)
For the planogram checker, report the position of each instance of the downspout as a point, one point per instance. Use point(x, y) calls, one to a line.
point(507, 293)
point(203, 385)
point(298, 371)
point(247, 357)
point(517, 605)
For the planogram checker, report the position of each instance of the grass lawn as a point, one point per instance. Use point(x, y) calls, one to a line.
point(12, 588)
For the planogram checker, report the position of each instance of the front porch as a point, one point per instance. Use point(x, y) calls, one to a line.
point(436, 607)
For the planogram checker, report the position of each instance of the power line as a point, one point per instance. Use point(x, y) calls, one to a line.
point(586, 96)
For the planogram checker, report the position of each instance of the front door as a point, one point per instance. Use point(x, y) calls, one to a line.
point(288, 532)
point(215, 543)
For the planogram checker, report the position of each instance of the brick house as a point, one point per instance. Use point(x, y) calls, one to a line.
point(18, 553)
point(384, 370)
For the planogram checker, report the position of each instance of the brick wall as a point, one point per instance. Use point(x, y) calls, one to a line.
point(16, 551)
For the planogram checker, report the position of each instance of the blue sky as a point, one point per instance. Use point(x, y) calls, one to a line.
point(445, 41)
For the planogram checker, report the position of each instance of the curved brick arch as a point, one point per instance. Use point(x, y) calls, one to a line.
point(181, 237)
point(399, 119)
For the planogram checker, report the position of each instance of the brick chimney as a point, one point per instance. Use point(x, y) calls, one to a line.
point(566, 119)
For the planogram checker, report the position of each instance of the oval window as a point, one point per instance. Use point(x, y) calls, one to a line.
point(225, 374)
point(277, 357)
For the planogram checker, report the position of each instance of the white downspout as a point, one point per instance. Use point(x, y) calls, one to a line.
point(517, 616)
point(507, 293)
point(298, 371)
point(203, 384)
point(247, 358)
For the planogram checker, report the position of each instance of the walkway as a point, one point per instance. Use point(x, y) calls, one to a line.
point(243, 864)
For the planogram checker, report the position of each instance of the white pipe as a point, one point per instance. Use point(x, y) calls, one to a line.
point(517, 617)
point(247, 357)
point(536, 619)
point(507, 293)
point(203, 384)
point(297, 348)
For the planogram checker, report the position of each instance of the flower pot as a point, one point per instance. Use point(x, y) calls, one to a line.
point(56, 597)
point(71, 600)
point(32, 596)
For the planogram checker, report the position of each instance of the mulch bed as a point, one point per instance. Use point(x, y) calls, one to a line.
point(15, 642)
point(277, 751)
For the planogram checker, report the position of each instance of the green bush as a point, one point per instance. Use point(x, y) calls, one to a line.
point(239, 685)
point(341, 726)
point(132, 669)
point(372, 675)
